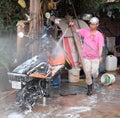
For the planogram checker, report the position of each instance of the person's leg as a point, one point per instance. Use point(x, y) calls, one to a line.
point(87, 70)
point(95, 67)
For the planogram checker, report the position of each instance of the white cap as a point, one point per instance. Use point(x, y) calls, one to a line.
point(94, 20)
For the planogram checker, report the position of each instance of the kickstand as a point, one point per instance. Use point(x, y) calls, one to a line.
point(44, 101)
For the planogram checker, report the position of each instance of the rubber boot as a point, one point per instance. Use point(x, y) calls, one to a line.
point(89, 90)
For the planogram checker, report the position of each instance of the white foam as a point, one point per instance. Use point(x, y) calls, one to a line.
point(15, 115)
point(73, 112)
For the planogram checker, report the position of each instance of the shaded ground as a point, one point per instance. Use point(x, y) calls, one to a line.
point(72, 106)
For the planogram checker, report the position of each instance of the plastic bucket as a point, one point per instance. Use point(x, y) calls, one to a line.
point(107, 79)
point(56, 81)
point(73, 75)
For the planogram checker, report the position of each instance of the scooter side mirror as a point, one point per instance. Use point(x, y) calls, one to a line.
point(20, 34)
point(47, 15)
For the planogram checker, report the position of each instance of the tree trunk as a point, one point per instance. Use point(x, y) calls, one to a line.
point(35, 25)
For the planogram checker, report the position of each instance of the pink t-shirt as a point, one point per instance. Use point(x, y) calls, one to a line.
point(91, 43)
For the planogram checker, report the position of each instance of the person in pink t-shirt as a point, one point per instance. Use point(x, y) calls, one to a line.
point(92, 46)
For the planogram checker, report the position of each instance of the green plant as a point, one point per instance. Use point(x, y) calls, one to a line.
point(111, 10)
point(10, 13)
point(88, 6)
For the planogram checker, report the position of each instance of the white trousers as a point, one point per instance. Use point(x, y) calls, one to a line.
point(90, 67)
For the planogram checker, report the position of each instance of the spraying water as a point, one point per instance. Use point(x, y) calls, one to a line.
point(7, 53)
point(49, 48)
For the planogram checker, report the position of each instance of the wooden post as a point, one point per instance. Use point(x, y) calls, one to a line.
point(35, 25)
point(20, 28)
point(31, 15)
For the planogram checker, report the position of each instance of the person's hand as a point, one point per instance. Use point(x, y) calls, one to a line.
point(71, 23)
point(100, 59)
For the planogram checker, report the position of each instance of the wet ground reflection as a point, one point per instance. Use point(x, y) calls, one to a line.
point(70, 106)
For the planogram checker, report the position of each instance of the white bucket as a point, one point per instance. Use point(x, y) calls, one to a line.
point(107, 79)
point(73, 75)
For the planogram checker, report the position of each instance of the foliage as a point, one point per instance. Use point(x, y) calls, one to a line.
point(81, 6)
point(10, 13)
point(88, 6)
point(111, 10)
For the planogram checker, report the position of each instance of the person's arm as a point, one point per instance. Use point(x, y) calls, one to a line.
point(101, 45)
point(72, 24)
point(79, 32)
point(100, 52)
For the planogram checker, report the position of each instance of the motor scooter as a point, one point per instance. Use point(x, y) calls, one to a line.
point(32, 79)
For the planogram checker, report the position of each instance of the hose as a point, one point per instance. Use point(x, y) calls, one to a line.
point(98, 89)
point(96, 86)
point(84, 89)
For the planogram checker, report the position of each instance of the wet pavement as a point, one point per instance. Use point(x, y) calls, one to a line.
point(104, 103)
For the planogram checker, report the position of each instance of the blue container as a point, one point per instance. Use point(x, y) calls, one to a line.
point(56, 81)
